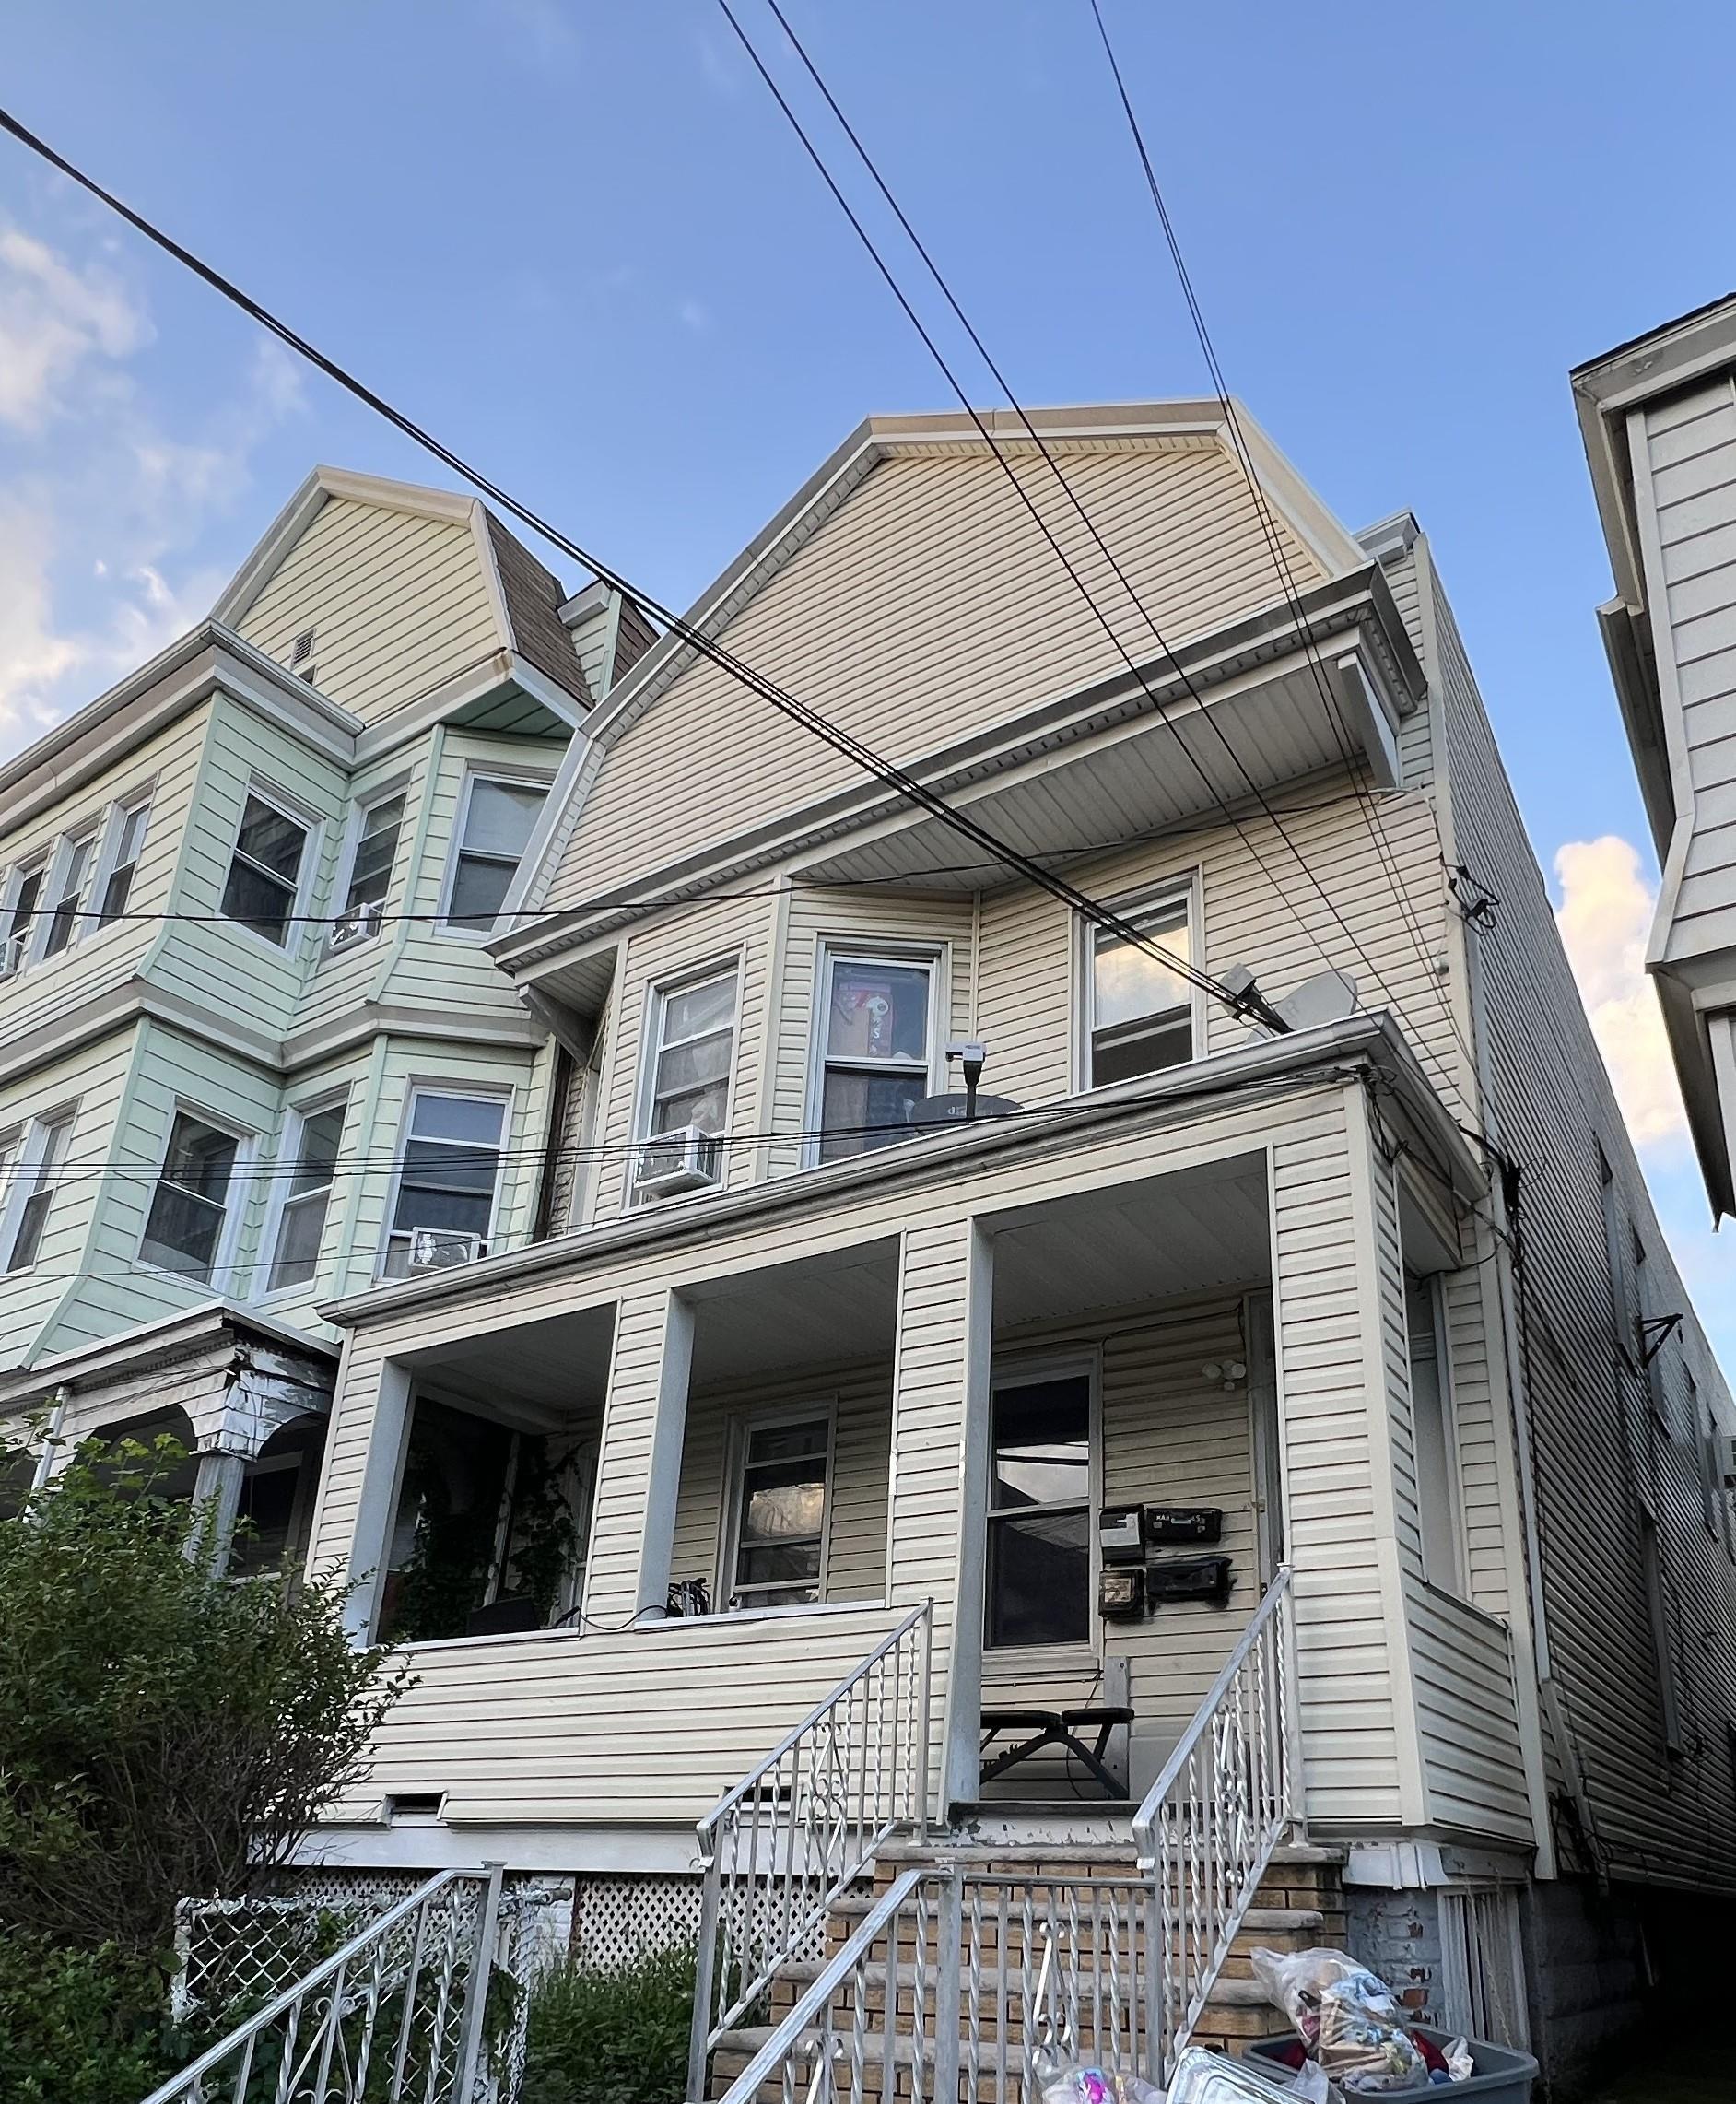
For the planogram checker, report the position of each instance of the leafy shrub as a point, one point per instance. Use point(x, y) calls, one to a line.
point(79, 2026)
point(164, 1732)
point(611, 2035)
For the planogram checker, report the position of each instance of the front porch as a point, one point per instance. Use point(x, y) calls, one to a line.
point(775, 1441)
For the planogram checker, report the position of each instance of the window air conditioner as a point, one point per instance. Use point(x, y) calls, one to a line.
point(360, 926)
point(438, 1249)
point(1727, 1456)
point(12, 955)
point(687, 1159)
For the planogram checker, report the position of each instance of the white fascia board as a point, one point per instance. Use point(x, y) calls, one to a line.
point(503, 668)
point(297, 516)
point(209, 1323)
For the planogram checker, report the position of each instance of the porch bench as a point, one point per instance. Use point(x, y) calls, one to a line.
point(1055, 1728)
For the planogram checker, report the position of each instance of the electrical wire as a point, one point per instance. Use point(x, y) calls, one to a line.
point(1274, 540)
point(911, 788)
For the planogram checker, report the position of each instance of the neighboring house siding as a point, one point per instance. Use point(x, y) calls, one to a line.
point(399, 603)
point(1596, 1451)
point(926, 608)
point(1684, 451)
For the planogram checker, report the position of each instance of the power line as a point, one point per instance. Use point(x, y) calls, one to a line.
point(1273, 539)
point(1246, 1003)
point(1303, 863)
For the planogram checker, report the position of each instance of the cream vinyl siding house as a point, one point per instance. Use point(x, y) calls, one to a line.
point(1335, 1291)
point(236, 1050)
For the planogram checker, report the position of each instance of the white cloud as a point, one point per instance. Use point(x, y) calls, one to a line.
point(1605, 913)
point(54, 318)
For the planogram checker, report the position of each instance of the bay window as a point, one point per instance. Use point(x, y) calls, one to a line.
point(306, 1198)
point(72, 876)
point(31, 1165)
point(494, 829)
point(877, 1052)
point(126, 843)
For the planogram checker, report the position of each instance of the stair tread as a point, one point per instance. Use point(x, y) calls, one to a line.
point(1274, 1918)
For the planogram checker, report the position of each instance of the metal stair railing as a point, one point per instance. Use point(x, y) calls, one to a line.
point(397, 2011)
point(1210, 1824)
point(780, 1846)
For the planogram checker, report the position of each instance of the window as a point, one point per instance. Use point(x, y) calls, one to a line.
point(20, 915)
point(126, 842)
point(301, 1218)
point(1040, 1511)
point(446, 1187)
point(183, 1231)
point(1430, 1415)
point(65, 914)
point(694, 1040)
point(33, 1161)
point(876, 1051)
point(492, 837)
point(1140, 1010)
point(781, 1510)
point(264, 878)
point(371, 866)
point(1657, 1611)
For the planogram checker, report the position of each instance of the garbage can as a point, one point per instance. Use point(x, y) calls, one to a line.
point(1499, 2074)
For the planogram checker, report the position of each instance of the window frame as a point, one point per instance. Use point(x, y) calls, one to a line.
point(1187, 888)
point(1020, 1373)
point(467, 1092)
point(25, 1179)
point(1451, 1523)
point(812, 1410)
point(658, 993)
point(1654, 1586)
point(38, 864)
point(286, 806)
point(234, 1205)
point(934, 957)
point(289, 1162)
point(444, 926)
point(108, 866)
point(355, 828)
point(58, 899)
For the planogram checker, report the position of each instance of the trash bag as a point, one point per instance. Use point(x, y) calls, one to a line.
point(1348, 2019)
point(1064, 2081)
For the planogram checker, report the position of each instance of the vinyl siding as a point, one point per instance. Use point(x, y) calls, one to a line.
point(1467, 1716)
point(1597, 1449)
point(1684, 452)
point(399, 604)
point(977, 627)
point(1327, 1305)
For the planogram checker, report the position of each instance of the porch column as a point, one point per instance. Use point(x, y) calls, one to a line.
point(938, 1493)
point(216, 1502)
point(638, 1460)
point(380, 1424)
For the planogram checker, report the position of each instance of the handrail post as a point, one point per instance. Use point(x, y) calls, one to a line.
point(1290, 1750)
point(476, 1992)
point(925, 1726)
point(949, 1932)
point(705, 1974)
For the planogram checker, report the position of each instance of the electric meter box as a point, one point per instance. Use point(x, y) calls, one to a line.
point(1174, 1526)
point(1121, 1534)
point(1122, 1592)
point(1205, 1578)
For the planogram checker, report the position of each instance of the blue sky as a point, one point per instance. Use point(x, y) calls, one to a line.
point(576, 238)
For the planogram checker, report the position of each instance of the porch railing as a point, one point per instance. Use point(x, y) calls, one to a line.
point(396, 2013)
point(1211, 1822)
point(780, 1846)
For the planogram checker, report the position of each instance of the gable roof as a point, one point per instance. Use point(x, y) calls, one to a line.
point(525, 597)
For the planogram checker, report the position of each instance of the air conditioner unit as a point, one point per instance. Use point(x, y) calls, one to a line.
point(360, 926)
point(438, 1249)
point(688, 1158)
point(12, 955)
point(1727, 1456)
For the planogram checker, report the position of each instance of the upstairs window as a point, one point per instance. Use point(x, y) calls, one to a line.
point(72, 876)
point(443, 1209)
point(494, 831)
point(306, 1198)
point(876, 1054)
point(33, 1164)
point(1040, 1511)
point(1139, 1008)
point(264, 880)
point(781, 1512)
point(19, 920)
point(126, 843)
point(185, 1231)
point(694, 1043)
point(370, 871)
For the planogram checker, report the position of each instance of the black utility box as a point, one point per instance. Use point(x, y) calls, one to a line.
point(1167, 1524)
point(1189, 1578)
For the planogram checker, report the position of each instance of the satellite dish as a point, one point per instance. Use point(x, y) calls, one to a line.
point(954, 1109)
point(1328, 998)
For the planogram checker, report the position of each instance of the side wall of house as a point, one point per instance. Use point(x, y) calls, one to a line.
point(1609, 1444)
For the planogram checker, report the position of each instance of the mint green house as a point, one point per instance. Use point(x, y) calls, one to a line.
point(253, 1053)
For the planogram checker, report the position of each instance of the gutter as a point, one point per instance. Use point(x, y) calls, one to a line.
point(1365, 1039)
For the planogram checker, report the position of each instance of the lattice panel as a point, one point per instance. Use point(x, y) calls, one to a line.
point(621, 1917)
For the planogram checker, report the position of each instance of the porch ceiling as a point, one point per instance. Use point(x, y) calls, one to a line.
point(1181, 1233)
point(539, 1374)
point(819, 1311)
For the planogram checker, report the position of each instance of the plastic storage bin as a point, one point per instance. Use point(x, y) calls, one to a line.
point(1500, 2075)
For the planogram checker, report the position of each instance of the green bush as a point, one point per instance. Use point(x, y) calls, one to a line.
point(611, 2035)
point(79, 2026)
